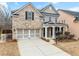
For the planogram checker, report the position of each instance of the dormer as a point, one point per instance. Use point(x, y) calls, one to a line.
point(49, 9)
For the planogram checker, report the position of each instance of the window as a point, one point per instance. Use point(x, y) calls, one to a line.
point(29, 15)
point(49, 18)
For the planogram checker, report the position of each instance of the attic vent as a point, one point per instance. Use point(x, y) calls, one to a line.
point(16, 14)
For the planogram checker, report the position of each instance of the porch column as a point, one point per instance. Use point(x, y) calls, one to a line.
point(60, 29)
point(53, 32)
point(34, 33)
point(64, 29)
point(45, 32)
point(67, 28)
point(40, 33)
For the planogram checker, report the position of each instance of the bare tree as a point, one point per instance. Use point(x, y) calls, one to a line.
point(5, 18)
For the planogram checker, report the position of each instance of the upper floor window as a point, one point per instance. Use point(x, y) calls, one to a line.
point(29, 15)
point(49, 18)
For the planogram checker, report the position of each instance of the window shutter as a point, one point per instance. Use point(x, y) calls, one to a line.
point(32, 15)
point(26, 15)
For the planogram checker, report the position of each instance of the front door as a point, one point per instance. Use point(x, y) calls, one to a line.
point(49, 32)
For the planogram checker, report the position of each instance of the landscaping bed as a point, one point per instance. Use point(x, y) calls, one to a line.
point(9, 48)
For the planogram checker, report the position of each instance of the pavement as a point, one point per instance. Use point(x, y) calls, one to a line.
point(38, 47)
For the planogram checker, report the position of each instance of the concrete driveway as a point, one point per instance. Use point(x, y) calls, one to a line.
point(38, 47)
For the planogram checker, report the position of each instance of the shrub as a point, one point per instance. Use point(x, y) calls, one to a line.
point(47, 40)
point(71, 36)
point(60, 37)
point(67, 33)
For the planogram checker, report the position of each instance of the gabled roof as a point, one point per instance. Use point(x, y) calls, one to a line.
point(48, 7)
point(73, 13)
point(42, 11)
point(49, 14)
point(16, 11)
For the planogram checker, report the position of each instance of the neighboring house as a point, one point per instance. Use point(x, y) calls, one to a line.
point(29, 22)
point(72, 19)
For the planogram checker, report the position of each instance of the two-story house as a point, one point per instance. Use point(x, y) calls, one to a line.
point(29, 22)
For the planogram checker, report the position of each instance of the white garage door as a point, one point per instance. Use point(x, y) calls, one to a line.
point(24, 33)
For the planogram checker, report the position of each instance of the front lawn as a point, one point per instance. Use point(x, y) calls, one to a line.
point(9, 49)
point(72, 47)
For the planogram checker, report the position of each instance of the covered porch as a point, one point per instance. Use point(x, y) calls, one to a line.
point(51, 31)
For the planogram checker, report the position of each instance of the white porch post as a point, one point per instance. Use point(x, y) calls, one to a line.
point(45, 32)
point(67, 29)
point(40, 33)
point(34, 32)
point(60, 29)
point(53, 32)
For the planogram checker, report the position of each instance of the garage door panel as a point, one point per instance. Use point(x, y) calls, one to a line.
point(26, 36)
point(24, 33)
point(37, 33)
point(31, 33)
point(19, 36)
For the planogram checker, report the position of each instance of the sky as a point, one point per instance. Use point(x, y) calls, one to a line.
point(74, 6)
